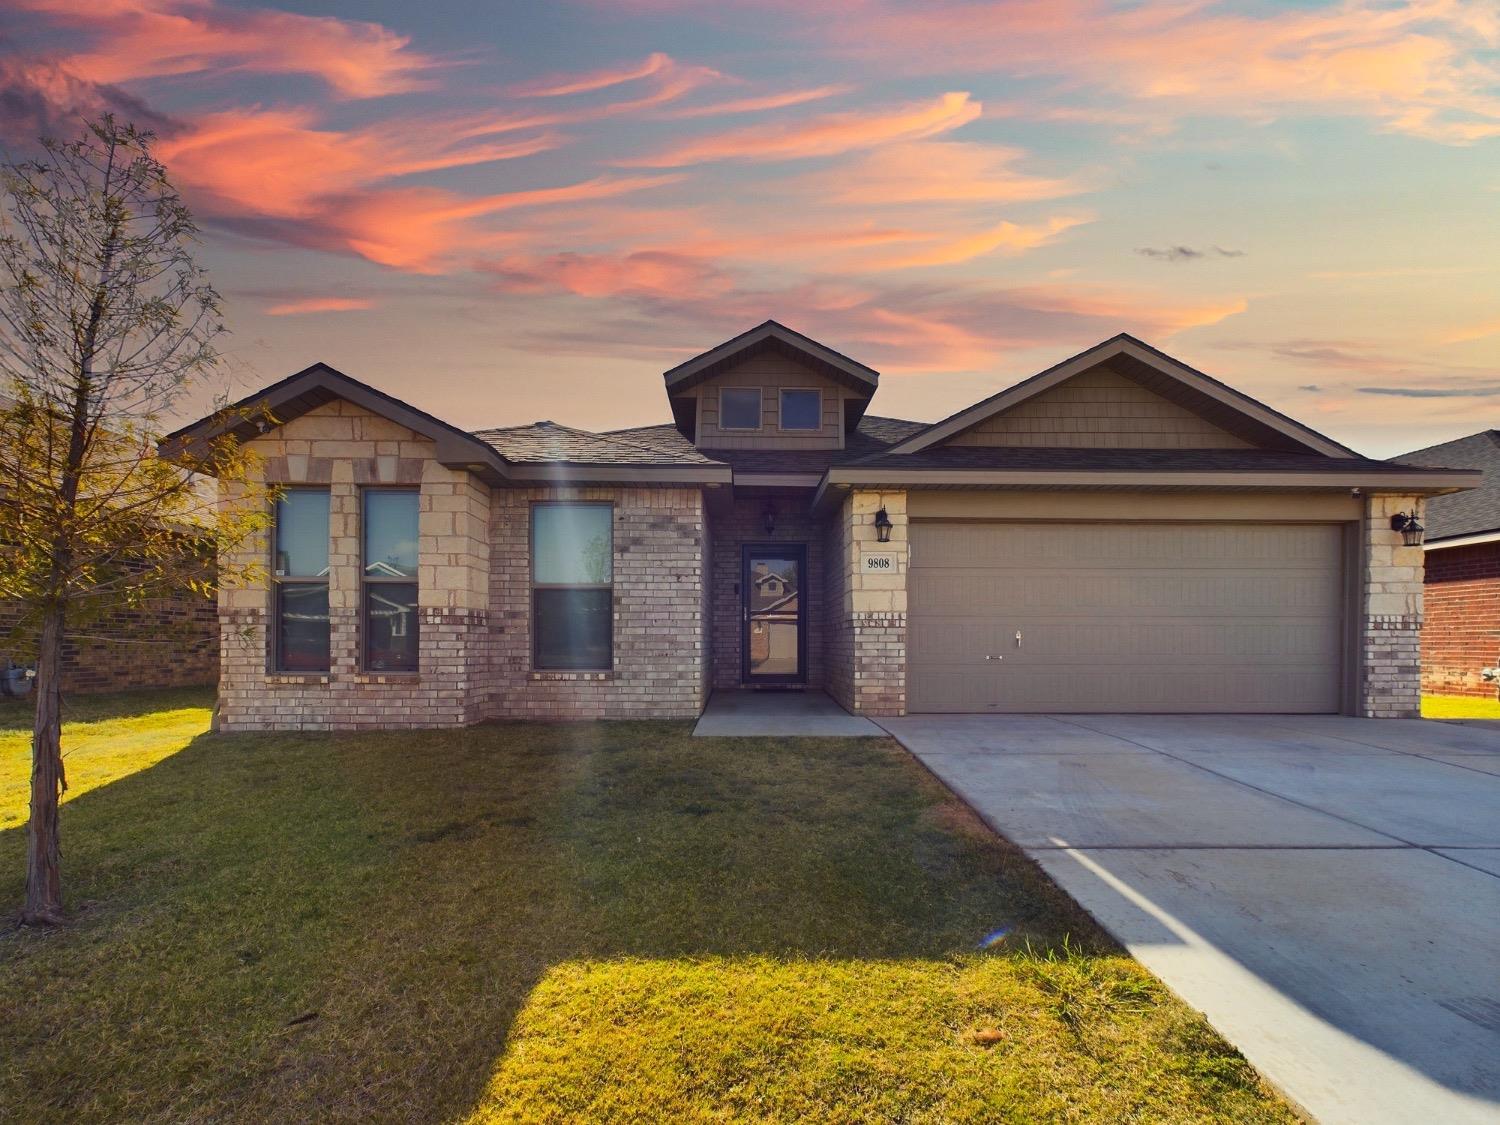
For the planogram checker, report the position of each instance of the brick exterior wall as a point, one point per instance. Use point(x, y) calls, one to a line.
point(345, 448)
point(867, 628)
point(659, 624)
point(1390, 674)
point(1461, 620)
point(742, 523)
point(168, 642)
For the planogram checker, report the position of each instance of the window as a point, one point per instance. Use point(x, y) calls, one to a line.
point(739, 408)
point(801, 410)
point(572, 576)
point(389, 602)
point(299, 581)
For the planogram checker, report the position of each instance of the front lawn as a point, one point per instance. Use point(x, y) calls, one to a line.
point(1459, 707)
point(532, 922)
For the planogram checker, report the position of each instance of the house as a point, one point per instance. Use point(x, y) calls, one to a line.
point(1461, 630)
point(1117, 533)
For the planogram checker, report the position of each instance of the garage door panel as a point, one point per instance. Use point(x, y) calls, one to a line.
point(1125, 617)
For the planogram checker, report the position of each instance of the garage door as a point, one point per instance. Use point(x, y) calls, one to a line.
point(1124, 617)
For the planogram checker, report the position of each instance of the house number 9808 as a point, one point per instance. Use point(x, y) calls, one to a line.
point(880, 562)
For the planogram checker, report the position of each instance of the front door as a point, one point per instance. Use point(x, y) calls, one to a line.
point(775, 648)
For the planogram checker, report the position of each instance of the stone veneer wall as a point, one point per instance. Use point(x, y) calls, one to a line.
point(1390, 676)
point(867, 630)
point(345, 448)
point(1461, 619)
point(659, 626)
point(744, 523)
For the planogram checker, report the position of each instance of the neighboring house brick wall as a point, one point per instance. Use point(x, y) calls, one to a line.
point(167, 642)
point(1461, 620)
point(742, 523)
point(868, 636)
point(659, 626)
point(1392, 614)
point(344, 447)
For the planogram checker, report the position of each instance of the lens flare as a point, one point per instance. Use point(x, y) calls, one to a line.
point(994, 937)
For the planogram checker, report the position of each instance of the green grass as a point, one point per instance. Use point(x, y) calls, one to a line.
point(532, 922)
point(105, 737)
point(1459, 707)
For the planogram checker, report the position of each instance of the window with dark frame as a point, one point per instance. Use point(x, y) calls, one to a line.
point(739, 408)
point(388, 601)
point(299, 581)
point(572, 586)
point(801, 409)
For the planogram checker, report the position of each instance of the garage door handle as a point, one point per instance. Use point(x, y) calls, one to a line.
point(994, 658)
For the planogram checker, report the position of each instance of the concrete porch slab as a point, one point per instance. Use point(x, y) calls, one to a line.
point(780, 714)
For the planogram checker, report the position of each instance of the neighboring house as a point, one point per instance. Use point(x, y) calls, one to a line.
point(1117, 533)
point(1461, 630)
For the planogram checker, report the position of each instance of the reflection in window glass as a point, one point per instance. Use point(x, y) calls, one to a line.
point(302, 626)
point(572, 551)
point(391, 626)
point(573, 627)
point(571, 545)
point(739, 408)
point(391, 533)
point(302, 533)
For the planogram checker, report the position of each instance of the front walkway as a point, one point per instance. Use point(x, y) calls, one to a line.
point(1326, 890)
point(779, 714)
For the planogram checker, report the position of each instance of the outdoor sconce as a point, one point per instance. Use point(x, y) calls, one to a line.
point(1411, 530)
point(768, 518)
point(882, 526)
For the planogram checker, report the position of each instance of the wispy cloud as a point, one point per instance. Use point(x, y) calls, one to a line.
point(1471, 332)
point(302, 306)
point(824, 136)
point(589, 81)
point(1186, 253)
point(1007, 238)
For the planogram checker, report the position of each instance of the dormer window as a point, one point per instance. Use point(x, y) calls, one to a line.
point(739, 408)
point(801, 409)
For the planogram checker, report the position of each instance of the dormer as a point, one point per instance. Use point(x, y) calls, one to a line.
point(769, 388)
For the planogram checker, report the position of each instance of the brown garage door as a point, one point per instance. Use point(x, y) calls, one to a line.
point(1124, 617)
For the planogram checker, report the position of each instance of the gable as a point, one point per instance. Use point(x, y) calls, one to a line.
point(1099, 409)
point(770, 372)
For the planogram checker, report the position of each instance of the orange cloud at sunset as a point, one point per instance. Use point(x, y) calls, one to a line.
point(151, 38)
point(593, 80)
point(304, 305)
point(1007, 238)
point(935, 171)
point(822, 136)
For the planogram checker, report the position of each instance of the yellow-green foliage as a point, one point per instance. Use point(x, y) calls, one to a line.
point(531, 922)
point(1459, 707)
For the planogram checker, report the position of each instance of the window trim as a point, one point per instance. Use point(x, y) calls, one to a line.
point(366, 581)
point(275, 582)
point(534, 585)
point(760, 413)
point(781, 426)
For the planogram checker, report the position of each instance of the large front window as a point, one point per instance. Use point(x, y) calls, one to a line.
point(572, 578)
point(390, 580)
point(299, 575)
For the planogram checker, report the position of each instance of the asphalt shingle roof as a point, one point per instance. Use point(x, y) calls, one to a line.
point(1463, 513)
point(1043, 458)
point(544, 442)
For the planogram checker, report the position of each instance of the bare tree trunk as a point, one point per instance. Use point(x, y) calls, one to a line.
point(43, 847)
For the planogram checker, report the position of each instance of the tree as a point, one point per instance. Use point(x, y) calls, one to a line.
point(105, 321)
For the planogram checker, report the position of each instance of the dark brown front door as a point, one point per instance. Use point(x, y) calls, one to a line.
point(775, 640)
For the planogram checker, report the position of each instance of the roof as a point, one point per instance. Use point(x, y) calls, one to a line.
point(1024, 457)
point(546, 442)
point(871, 435)
point(1217, 402)
point(1465, 513)
point(772, 336)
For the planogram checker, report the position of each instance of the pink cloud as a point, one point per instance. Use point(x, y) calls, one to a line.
point(936, 171)
point(1007, 238)
point(821, 136)
point(304, 305)
point(761, 104)
point(154, 38)
point(589, 81)
point(644, 273)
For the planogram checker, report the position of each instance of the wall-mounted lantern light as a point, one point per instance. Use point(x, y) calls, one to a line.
point(882, 526)
point(1410, 528)
point(768, 518)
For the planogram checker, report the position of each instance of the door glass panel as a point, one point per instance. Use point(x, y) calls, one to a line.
point(774, 619)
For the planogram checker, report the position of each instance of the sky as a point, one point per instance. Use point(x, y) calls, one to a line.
point(502, 212)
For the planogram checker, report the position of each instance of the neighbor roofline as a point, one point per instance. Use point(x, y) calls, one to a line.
point(1469, 539)
point(1122, 344)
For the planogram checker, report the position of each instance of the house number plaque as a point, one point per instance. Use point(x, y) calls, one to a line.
point(878, 562)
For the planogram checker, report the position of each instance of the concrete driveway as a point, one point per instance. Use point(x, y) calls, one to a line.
point(1326, 890)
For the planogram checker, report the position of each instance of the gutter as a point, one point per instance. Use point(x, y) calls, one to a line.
point(1463, 540)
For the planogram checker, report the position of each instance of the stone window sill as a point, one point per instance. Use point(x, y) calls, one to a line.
point(298, 678)
point(387, 677)
point(580, 675)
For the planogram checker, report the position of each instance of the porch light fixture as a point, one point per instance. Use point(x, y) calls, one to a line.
point(882, 526)
point(1410, 528)
point(768, 518)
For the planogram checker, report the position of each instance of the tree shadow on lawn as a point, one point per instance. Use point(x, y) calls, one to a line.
point(296, 927)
